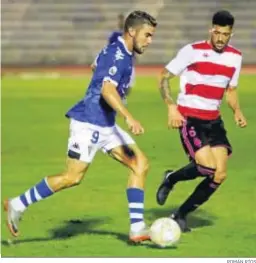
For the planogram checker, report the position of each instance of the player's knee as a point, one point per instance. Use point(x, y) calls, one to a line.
point(220, 176)
point(142, 166)
point(72, 179)
point(146, 166)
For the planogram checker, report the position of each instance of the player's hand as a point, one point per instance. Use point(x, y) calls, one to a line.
point(240, 119)
point(175, 119)
point(134, 126)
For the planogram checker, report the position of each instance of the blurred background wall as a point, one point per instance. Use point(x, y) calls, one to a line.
point(71, 32)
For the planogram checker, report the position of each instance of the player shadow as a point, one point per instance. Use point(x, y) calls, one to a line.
point(78, 227)
point(197, 219)
point(73, 228)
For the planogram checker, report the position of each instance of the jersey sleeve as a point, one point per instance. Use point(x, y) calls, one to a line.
point(180, 61)
point(114, 67)
point(234, 80)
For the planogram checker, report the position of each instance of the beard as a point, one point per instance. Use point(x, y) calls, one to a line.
point(219, 49)
point(136, 48)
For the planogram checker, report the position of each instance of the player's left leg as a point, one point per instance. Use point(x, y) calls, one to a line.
point(210, 184)
point(78, 162)
point(193, 138)
point(122, 148)
point(16, 206)
point(221, 156)
point(220, 150)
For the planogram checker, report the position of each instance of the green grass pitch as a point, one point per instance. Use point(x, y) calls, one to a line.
point(91, 220)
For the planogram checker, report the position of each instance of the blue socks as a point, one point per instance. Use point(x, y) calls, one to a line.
point(32, 195)
point(135, 198)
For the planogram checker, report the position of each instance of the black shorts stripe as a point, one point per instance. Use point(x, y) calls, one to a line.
point(74, 155)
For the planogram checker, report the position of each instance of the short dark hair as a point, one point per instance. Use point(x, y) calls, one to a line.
point(223, 18)
point(137, 18)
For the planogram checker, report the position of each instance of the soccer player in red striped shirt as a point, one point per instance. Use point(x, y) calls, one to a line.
point(207, 70)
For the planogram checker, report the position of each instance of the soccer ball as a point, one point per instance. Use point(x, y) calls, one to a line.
point(165, 232)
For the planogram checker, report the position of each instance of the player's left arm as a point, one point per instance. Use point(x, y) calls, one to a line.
point(233, 100)
point(93, 67)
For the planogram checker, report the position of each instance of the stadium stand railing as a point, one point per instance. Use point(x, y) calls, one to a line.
point(72, 32)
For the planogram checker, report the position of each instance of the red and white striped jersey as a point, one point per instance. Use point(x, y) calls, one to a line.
point(204, 76)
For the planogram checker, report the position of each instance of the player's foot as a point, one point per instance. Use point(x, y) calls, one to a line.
point(182, 222)
point(139, 236)
point(12, 217)
point(164, 189)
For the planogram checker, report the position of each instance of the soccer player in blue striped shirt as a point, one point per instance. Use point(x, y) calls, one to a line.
point(93, 127)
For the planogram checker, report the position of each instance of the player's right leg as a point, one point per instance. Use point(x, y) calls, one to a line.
point(170, 178)
point(122, 148)
point(204, 159)
point(132, 157)
point(78, 160)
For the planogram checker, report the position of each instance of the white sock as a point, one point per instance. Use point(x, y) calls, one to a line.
point(136, 227)
point(17, 204)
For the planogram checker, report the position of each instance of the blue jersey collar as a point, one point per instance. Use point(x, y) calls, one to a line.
point(120, 39)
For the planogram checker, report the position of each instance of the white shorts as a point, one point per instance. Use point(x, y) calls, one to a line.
point(86, 139)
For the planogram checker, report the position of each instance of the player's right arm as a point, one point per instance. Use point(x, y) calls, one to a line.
point(172, 69)
point(112, 97)
point(114, 70)
point(175, 119)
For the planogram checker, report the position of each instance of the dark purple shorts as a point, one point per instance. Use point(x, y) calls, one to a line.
point(196, 133)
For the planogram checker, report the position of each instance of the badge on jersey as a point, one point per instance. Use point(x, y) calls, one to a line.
point(112, 71)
